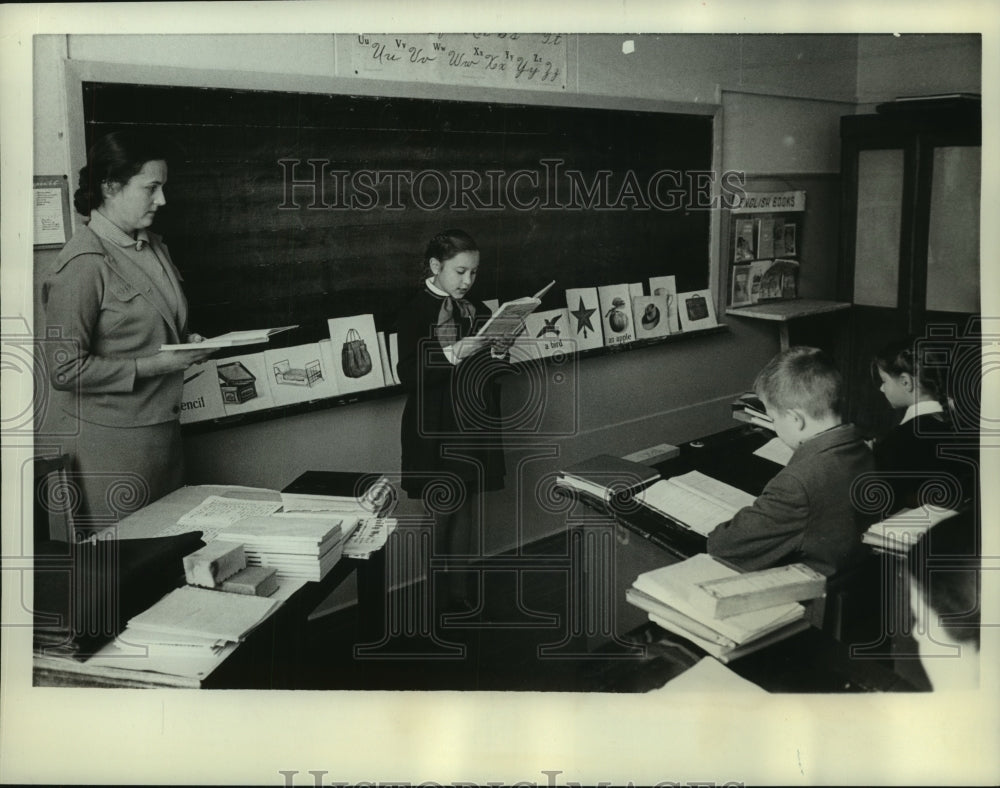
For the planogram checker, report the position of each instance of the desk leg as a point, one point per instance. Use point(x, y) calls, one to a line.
point(783, 335)
point(372, 591)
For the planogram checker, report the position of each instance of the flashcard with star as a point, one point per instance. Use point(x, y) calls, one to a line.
point(584, 317)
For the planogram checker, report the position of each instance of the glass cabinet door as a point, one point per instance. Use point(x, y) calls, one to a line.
point(879, 224)
point(953, 230)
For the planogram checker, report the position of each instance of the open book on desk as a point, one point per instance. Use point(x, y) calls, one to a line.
point(695, 500)
point(508, 321)
point(232, 339)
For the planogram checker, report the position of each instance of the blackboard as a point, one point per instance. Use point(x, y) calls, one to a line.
point(584, 196)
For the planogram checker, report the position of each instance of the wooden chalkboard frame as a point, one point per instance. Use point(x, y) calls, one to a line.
point(79, 73)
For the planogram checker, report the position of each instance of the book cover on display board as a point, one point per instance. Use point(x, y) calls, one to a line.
point(299, 374)
point(616, 314)
point(585, 317)
point(357, 365)
point(243, 382)
point(201, 398)
point(696, 310)
point(548, 333)
point(667, 286)
point(650, 316)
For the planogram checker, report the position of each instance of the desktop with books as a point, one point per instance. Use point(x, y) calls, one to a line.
point(266, 650)
point(724, 471)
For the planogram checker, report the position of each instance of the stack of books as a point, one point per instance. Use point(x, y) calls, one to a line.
point(748, 407)
point(303, 547)
point(897, 533)
point(724, 612)
point(695, 500)
point(348, 492)
point(607, 478)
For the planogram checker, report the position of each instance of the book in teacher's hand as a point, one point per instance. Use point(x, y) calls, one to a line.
point(232, 339)
point(507, 322)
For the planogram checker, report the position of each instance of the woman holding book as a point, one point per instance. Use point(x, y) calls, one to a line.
point(451, 427)
point(111, 299)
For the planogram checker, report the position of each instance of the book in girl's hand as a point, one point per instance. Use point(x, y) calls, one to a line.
point(507, 322)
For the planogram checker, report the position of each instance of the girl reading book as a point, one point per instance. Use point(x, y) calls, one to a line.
point(451, 425)
point(913, 454)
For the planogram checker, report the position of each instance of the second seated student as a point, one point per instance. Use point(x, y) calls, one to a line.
point(451, 425)
point(913, 455)
point(805, 513)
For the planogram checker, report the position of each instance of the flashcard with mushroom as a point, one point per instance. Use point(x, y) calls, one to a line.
point(616, 314)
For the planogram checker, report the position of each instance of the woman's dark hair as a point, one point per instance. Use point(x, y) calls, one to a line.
point(446, 245)
point(114, 158)
point(898, 357)
point(944, 564)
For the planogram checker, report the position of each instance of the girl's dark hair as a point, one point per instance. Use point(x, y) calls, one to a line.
point(898, 357)
point(446, 245)
point(114, 158)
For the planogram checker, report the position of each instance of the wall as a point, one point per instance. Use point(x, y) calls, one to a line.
point(780, 96)
point(913, 65)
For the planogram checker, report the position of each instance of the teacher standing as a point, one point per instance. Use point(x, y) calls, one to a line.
point(114, 296)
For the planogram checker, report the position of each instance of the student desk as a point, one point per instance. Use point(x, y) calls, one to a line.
point(272, 655)
point(810, 661)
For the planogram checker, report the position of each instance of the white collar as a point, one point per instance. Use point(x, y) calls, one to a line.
point(922, 408)
point(434, 288)
point(110, 231)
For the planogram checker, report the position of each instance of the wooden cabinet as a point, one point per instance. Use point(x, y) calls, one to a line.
point(909, 252)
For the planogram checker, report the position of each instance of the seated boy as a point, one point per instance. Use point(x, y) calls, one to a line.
point(805, 513)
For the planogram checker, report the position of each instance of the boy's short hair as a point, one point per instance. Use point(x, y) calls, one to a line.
point(803, 378)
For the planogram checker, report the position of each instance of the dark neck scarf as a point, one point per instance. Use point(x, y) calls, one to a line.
point(451, 316)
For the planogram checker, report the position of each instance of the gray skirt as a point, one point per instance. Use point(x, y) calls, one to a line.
point(118, 470)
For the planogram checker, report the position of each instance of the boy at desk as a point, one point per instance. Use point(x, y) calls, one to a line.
point(805, 513)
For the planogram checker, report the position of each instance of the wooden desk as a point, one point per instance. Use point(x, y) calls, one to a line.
point(784, 311)
point(810, 661)
point(271, 656)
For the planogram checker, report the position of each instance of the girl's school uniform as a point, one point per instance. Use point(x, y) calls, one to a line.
point(451, 426)
point(915, 466)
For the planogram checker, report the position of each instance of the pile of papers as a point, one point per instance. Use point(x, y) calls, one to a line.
point(695, 500)
point(298, 546)
point(188, 632)
point(670, 596)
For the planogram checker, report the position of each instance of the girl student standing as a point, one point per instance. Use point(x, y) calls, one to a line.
point(451, 426)
point(912, 453)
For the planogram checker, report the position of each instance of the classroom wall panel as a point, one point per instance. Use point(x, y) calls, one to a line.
point(681, 68)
